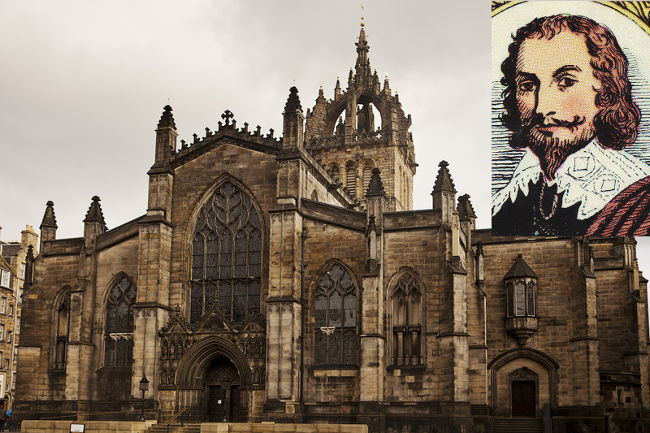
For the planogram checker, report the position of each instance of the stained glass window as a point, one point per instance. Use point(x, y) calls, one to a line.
point(226, 255)
point(118, 334)
point(407, 321)
point(335, 311)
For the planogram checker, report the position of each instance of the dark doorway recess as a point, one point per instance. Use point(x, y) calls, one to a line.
point(523, 398)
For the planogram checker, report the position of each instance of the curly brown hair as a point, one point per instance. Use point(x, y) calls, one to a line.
point(617, 122)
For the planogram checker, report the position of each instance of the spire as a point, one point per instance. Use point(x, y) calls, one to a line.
point(49, 220)
point(465, 209)
point(337, 88)
point(520, 269)
point(375, 186)
point(95, 213)
point(167, 118)
point(293, 102)
point(443, 180)
point(363, 64)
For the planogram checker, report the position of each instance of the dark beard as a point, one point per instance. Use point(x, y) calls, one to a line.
point(551, 152)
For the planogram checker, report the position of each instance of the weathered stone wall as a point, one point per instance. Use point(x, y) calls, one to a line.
point(39, 426)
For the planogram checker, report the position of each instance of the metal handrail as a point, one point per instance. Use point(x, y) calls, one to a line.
point(175, 417)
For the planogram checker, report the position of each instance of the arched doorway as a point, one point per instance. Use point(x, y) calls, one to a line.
point(213, 382)
point(223, 392)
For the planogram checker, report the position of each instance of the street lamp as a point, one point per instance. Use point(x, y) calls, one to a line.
point(144, 387)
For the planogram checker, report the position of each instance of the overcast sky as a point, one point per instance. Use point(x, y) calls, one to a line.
point(83, 83)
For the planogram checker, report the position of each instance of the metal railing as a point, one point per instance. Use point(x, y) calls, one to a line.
point(175, 417)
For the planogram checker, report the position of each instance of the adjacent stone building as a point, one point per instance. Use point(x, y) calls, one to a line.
point(13, 258)
point(288, 279)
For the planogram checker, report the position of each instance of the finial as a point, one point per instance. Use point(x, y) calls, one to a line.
point(375, 186)
point(49, 220)
point(167, 118)
point(443, 180)
point(95, 213)
point(293, 102)
point(362, 14)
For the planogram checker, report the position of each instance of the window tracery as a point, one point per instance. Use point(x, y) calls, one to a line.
point(335, 310)
point(226, 256)
point(406, 304)
point(118, 332)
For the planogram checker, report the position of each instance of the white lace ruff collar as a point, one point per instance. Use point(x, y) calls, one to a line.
point(593, 176)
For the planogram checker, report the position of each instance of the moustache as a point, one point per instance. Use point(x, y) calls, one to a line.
point(538, 120)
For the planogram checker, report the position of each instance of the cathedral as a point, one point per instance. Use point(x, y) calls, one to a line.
point(288, 279)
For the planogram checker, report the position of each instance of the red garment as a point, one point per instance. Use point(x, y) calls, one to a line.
point(627, 214)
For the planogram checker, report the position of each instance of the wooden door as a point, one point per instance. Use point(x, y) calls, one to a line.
point(523, 398)
point(216, 404)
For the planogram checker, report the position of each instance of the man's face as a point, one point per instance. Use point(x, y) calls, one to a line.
point(556, 96)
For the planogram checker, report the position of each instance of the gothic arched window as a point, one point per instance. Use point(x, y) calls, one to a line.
point(226, 255)
point(406, 316)
point(335, 309)
point(62, 317)
point(118, 332)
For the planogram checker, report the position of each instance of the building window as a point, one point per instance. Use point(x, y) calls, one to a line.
point(22, 271)
point(62, 327)
point(11, 309)
point(406, 316)
point(5, 278)
point(3, 305)
point(227, 256)
point(2, 332)
point(2, 365)
point(520, 298)
point(335, 310)
point(9, 337)
point(118, 334)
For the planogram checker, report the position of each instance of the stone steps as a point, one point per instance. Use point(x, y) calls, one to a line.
point(175, 428)
point(518, 425)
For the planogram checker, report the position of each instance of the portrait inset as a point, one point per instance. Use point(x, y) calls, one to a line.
point(570, 119)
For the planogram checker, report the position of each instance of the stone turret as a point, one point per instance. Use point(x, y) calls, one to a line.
point(165, 141)
point(48, 225)
point(444, 193)
point(293, 126)
point(94, 223)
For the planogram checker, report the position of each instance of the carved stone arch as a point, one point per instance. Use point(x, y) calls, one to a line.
point(404, 270)
point(198, 357)
point(338, 106)
point(207, 195)
point(507, 363)
point(327, 330)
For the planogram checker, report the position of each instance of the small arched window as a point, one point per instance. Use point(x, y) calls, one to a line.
point(335, 310)
point(406, 315)
point(118, 332)
point(62, 314)
point(227, 255)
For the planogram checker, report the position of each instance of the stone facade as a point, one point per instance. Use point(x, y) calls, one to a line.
point(14, 256)
point(258, 287)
